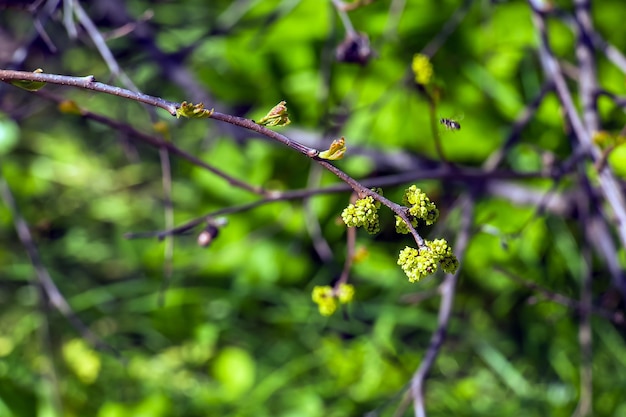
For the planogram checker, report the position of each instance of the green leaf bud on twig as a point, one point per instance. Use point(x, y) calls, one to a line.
point(336, 151)
point(193, 111)
point(278, 116)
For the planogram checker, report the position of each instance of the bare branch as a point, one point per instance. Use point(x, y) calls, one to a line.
point(89, 83)
point(447, 290)
point(609, 185)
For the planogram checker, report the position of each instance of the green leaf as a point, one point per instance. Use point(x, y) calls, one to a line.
point(30, 85)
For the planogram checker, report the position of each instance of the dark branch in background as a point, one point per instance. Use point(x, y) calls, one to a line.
point(558, 204)
point(453, 22)
point(157, 143)
point(586, 209)
point(44, 279)
point(586, 65)
point(612, 53)
point(608, 184)
point(345, 20)
point(172, 66)
point(393, 19)
point(312, 222)
point(618, 100)
point(116, 71)
point(601, 238)
point(615, 317)
point(516, 129)
point(447, 290)
point(101, 45)
point(492, 180)
point(350, 251)
point(166, 179)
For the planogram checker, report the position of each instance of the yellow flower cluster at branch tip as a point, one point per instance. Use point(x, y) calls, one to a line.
point(278, 116)
point(419, 208)
point(363, 213)
point(419, 263)
point(327, 298)
point(422, 69)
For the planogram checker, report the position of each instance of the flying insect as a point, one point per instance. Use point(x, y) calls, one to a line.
point(450, 124)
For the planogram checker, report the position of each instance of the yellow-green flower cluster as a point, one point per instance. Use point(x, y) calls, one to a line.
point(418, 263)
point(327, 298)
point(420, 208)
point(422, 68)
point(363, 213)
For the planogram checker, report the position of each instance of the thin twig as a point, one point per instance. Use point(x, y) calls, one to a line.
point(89, 83)
point(618, 100)
point(453, 22)
point(68, 19)
point(168, 255)
point(312, 222)
point(101, 46)
point(518, 125)
point(465, 176)
point(393, 18)
point(350, 246)
point(616, 318)
point(159, 144)
point(434, 128)
point(585, 210)
point(345, 19)
point(117, 72)
point(612, 53)
point(588, 77)
point(49, 373)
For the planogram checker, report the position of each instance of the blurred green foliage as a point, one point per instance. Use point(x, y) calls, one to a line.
point(238, 334)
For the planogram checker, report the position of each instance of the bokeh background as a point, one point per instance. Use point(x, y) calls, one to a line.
point(237, 333)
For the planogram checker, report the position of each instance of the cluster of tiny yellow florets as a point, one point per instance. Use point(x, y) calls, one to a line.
point(418, 263)
point(328, 298)
point(420, 208)
point(363, 213)
point(422, 69)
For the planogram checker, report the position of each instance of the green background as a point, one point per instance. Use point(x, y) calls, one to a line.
point(238, 334)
